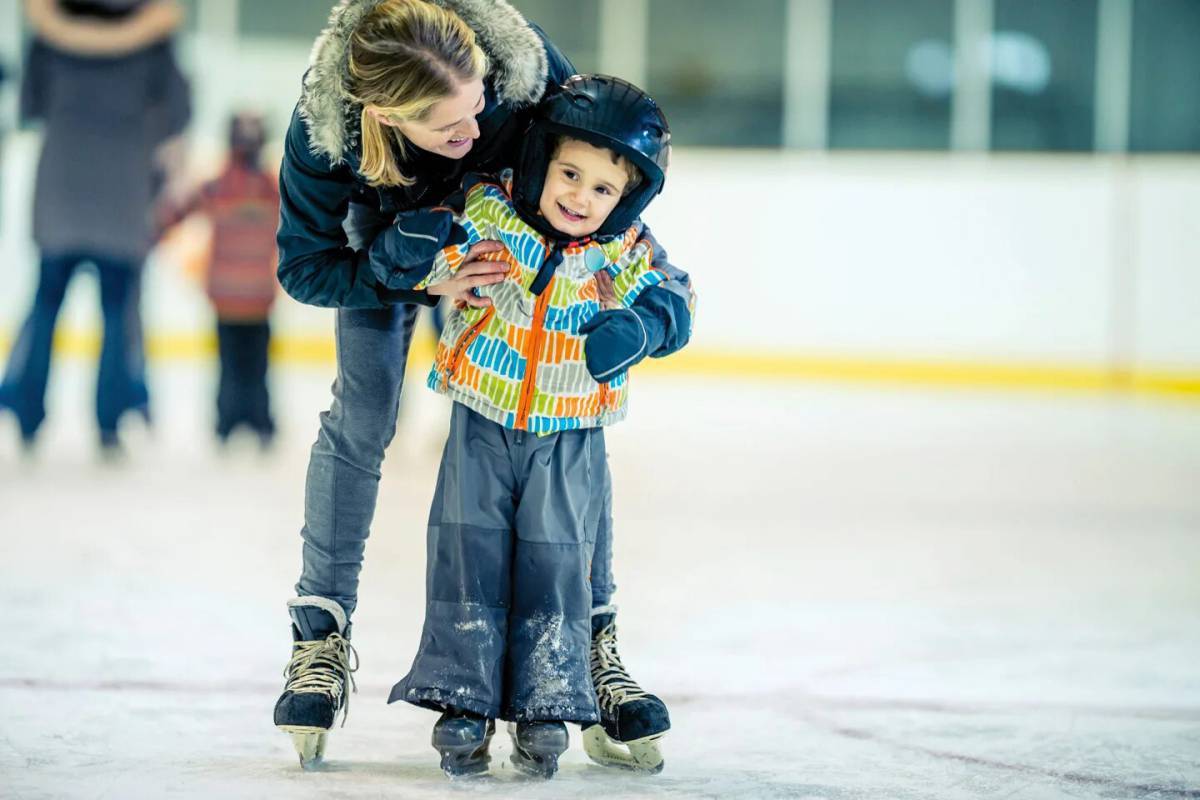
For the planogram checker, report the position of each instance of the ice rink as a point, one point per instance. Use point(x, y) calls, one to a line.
point(840, 592)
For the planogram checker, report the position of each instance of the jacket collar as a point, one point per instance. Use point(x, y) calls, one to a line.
point(517, 71)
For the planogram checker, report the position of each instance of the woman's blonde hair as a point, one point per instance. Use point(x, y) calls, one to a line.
point(405, 57)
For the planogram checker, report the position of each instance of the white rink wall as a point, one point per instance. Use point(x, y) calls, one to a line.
point(1089, 261)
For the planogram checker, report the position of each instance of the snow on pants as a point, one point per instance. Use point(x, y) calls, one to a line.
point(508, 601)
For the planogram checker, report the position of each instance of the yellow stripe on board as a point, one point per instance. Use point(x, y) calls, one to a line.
point(319, 350)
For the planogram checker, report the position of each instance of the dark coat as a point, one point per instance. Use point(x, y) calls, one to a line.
point(104, 118)
point(330, 216)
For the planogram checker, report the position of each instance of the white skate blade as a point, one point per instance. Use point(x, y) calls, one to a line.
point(643, 755)
point(309, 744)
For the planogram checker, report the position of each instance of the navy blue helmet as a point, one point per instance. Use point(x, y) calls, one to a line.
point(606, 112)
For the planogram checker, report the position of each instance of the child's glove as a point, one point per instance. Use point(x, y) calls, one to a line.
point(403, 253)
point(619, 338)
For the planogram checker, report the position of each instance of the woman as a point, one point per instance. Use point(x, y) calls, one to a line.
point(401, 98)
point(109, 108)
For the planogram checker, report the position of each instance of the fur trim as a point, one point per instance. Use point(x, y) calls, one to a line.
point(323, 603)
point(518, 67)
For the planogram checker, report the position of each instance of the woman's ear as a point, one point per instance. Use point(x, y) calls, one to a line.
point(380, 117)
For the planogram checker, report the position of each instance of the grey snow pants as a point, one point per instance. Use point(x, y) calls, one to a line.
point(508, 601)
point(344, 467)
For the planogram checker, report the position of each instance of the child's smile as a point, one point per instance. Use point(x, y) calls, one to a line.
point(582, 187)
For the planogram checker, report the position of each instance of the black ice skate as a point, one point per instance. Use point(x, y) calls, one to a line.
point(632, 721)
point(462, 739)
point(318, 676)
point(537, 746)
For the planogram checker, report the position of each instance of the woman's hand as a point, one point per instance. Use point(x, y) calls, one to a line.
point(472, 274)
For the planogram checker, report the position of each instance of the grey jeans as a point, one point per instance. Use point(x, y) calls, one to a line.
point(344, 467)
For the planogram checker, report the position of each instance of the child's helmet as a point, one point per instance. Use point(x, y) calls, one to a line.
point(606, 112)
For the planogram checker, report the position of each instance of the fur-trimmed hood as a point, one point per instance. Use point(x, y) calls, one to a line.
point(518, 66)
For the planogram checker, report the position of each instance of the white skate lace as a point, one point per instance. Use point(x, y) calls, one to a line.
point(612, 682)
point(323, 666)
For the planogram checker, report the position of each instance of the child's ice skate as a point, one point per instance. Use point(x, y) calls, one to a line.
point(462, 738)
point(318, 676)
point(632, 721)
point(537, 746)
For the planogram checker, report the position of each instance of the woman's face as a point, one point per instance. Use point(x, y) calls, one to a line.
point(449, 129)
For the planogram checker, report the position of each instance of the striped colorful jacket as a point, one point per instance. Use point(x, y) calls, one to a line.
point(519, 362)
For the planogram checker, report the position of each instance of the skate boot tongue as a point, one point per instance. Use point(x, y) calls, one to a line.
point(315, 618)
point(602, 617)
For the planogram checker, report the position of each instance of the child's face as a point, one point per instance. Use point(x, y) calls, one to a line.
point(582, 187)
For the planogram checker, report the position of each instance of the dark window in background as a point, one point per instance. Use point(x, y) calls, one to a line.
point(1044, 75)
point(716, 68)
point(1164, 99)
point(891, 74)
point(572, 26)
point(297, 19)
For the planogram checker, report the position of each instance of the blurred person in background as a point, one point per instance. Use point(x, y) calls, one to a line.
point(401, 98)
point(242, 207)
point(102, 78)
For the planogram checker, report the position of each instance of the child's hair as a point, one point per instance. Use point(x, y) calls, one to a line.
point(405, 57)
point(247, 136)
point(632, 173)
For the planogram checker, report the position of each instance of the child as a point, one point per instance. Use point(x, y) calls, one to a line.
point(242, 203)
point(518, 499)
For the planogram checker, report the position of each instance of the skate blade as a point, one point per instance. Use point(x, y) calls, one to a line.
point(642, 755)
point(309, 744)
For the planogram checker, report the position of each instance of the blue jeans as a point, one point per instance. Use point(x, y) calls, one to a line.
point(344, 467)
point(121, 383)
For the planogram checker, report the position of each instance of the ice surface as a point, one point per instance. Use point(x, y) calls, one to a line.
point(839, 594)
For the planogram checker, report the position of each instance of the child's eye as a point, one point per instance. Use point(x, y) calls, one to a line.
point(602, 189)
point(569, 174)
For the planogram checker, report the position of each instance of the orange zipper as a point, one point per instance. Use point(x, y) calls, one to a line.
point(464, 342)
point(532, 354)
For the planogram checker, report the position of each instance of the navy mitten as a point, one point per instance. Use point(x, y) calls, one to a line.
point(619, 338)
point(402, 255)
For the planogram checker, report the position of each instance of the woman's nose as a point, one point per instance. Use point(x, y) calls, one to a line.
point(472, 129)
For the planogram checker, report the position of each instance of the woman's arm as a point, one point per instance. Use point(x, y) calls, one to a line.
point(152, 23)
point(316, 264)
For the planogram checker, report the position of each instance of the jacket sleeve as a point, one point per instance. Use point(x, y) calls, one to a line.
point(35, 82)
point(558, 66)
point(170, 107)
point(671, 302)
point(633, 273)
point(316, 265)
point(404, 255)
point(473, 225)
